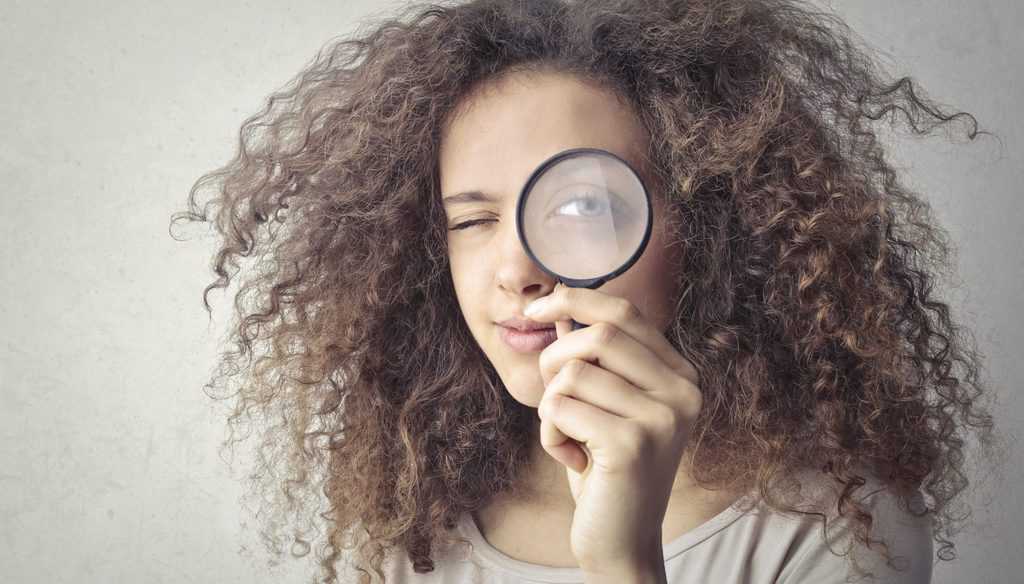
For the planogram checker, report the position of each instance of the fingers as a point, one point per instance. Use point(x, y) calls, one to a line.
point(608, 347)
point(593, 306)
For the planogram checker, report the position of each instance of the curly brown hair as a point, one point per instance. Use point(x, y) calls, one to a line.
point(807, 302)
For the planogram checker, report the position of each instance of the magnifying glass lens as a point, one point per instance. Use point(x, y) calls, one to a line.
point(585, 216)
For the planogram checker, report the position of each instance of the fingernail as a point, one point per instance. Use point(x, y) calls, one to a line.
point(534, 307)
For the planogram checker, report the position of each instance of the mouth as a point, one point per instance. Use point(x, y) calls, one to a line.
point(528, 341)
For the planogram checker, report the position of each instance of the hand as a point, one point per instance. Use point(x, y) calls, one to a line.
point(618, 406)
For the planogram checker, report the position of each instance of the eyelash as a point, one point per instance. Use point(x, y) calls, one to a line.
point(470, 224)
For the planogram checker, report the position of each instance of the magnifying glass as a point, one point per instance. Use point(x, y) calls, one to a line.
point(584, 217)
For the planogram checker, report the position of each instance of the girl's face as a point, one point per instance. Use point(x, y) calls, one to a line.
point(493, 147)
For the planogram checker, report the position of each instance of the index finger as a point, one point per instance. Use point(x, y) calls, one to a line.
point(588, 306)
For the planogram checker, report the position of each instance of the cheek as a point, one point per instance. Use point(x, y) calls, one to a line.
point(458, 264)
point(467, 278)
point(649, 283)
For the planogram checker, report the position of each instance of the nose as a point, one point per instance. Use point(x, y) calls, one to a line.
point(517, 274)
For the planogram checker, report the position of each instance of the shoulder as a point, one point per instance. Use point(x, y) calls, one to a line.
point(830, 554)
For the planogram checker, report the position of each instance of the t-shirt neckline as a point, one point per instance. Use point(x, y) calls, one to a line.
point(519, 568)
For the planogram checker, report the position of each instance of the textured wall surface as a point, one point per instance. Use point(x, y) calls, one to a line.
point(109, 468)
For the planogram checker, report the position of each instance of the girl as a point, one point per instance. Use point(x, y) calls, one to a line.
point(767, 395)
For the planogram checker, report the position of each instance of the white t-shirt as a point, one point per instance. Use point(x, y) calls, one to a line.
point(757, 545)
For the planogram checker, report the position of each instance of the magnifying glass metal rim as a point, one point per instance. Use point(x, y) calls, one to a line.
point(521, 207)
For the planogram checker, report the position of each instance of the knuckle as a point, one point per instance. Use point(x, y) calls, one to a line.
point(691, 400)
point(626, 310)
point(570, 371)
point(554, 400)
point(634, 442)
point(665, 418)
point(696, 402)
point(606, 332)
point(574, 368)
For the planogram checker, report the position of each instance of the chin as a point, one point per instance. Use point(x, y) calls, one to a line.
point(525, 388)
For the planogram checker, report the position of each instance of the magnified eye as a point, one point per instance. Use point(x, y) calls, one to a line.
point(586, 206)
point(590, 206)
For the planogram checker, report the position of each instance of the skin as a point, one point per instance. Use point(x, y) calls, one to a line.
point(502, 134)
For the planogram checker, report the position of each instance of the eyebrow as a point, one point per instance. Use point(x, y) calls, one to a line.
point(468, 197)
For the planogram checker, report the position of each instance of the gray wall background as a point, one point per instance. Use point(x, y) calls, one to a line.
point(109, 470)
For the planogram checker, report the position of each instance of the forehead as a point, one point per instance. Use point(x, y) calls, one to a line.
point(504, 130)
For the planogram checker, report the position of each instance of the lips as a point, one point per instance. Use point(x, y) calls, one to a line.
point(528, 341)
point(526, 325)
